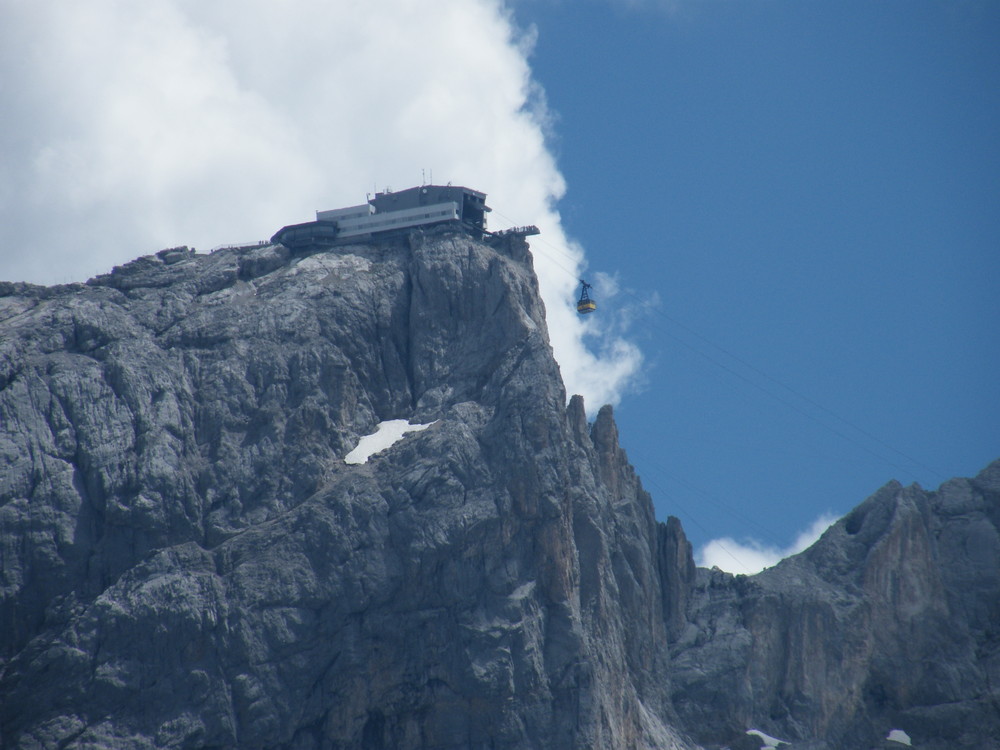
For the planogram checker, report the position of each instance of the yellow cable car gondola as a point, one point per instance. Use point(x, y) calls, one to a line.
point(586, 304)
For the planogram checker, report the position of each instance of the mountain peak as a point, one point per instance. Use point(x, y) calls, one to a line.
point(199, 564)
point(195, 555)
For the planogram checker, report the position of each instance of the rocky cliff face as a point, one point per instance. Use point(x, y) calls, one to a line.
point(890, 621)
point(188, 560)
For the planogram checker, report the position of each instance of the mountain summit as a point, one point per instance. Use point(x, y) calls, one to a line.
point(334, 497)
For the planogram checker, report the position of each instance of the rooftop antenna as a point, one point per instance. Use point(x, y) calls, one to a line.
point(423, 178)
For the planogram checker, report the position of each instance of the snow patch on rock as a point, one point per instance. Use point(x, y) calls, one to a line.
point(388, 433)
point(898, 735)
point(770, 743)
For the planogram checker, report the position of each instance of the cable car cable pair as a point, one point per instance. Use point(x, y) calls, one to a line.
point(587, 305)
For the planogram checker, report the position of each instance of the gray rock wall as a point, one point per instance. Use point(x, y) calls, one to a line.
point(188, 561)
point(890, 621)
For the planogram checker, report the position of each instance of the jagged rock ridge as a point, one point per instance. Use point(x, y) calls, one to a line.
point(891, 620)
point(187, 553)
point(187, 560)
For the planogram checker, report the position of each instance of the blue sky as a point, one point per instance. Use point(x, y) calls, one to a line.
point(811, 191)
point(789, 209)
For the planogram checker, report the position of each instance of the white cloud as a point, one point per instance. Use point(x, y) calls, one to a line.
point(129, 127)
point(750, 556)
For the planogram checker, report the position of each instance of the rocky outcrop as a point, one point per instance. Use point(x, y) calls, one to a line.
point(675, 564)
point(188, 561)
point(890, 621)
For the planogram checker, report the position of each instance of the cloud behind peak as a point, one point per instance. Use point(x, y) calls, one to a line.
point(133, 127)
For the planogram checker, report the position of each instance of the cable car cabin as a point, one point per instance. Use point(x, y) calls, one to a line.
point(586, 304)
